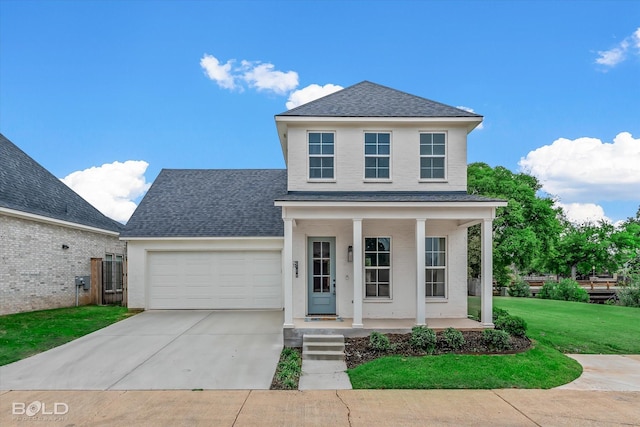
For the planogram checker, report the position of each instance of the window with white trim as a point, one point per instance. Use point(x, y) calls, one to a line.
point(112, 271)
point(377, 267)
point(321, 153)
point(377, 149)
point(432, 155)
point(435, 266)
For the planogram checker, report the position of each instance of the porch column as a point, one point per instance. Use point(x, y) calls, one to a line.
point(287, 272)
point(357, 274)
point(420, 267)
point(486, 273)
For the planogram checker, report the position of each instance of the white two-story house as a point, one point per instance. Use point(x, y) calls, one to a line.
point(367, 224)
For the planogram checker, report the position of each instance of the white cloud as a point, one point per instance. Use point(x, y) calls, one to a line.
point(264, 77)
point(217, 72)
point(255, 74)
point(310, 93)
point(112, 187)
point(580, 213)
point(617, 54)
point(470, 110)
point(585, 170)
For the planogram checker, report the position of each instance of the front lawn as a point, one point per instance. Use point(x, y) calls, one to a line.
point(25, 334)
point(556, 326)
point(576, 327)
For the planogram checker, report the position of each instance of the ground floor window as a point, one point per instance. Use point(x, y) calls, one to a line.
point(435, 266)
point(112, 273)
point(377, 267)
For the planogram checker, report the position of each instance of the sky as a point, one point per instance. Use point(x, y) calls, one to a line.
point(105, 94)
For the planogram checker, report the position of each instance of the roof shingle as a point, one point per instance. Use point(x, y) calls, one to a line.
point(211, 203)
point(28, 187)
point(366, 99)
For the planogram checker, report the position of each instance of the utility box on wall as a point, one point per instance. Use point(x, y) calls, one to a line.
point(84, 281)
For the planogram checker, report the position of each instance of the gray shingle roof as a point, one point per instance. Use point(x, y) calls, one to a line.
point(26, 186)
point(383, 196)
point(211, 203)
point(367, 99)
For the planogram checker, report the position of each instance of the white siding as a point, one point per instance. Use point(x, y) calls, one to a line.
point(349, 158)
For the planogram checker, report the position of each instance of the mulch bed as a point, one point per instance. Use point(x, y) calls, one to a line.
point(357, 350)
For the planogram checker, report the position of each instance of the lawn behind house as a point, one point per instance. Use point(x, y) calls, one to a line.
point(25, 334)
point(557, 327)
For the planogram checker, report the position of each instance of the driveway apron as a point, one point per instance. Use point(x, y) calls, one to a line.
point(160, 350)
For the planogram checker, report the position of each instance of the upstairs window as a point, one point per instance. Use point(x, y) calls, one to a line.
point(435, 266)
point(321, 149)
point(432, 155)
point(377, 148)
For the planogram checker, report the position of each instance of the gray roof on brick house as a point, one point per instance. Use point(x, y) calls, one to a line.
point(384, 196)
point(366, 99)
point(28, 187)
point(211, 203)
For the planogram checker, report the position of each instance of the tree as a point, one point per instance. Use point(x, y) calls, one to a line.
point(525, 231)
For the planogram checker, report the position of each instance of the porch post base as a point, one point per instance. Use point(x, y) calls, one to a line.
point(421, 324)
point(488, 325)
point(288, 326)
point(357, 325)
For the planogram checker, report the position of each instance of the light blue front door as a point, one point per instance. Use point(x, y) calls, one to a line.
point(322, 276)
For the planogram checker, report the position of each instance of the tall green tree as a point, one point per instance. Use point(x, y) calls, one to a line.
point(525, 231)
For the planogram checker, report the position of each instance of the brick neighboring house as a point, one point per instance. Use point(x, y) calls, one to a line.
point(48, 236)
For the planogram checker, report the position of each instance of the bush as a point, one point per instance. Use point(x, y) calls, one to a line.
point(453, 338)
point(423, 338)
point(519, 288)
point(498, 312)
point(630, 295)
point(564, 290)
point(289, 368)
point(379, 342)
point(513, 325)
point(496, 339)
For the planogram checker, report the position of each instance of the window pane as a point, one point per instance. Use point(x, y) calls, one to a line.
point(370, 162)
point(325, 268)
point(316, 267)
point(315, 162)
point(371, 290)
point(326, 247)
point(370, 138)
point(325, 284)
point(316, 249)
point(314, 148)
point(426, 150)
point(438, 162)
point(426, 138)
point(383, 162)
point(371, 275)
point(315, 173)
point(438, 138)
point(383, 290)
point(383, 149)
point(327, 149)
point(370, 244)
point(384, 244)
point(316, 284)
point(327, 162)
point(370, 149)
point(314, 138)
point(327, 137)
point(383, 275)
point(439, 291)
point(370, 173)
point(438, 150)
point(384, 138)
point(383, 173)
point(384, 260)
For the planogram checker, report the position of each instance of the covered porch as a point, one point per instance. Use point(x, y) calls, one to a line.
point(410, 296)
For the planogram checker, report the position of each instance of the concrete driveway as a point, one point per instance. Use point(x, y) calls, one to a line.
point(160, 349)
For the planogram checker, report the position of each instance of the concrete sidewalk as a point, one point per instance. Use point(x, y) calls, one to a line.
point(322, 408)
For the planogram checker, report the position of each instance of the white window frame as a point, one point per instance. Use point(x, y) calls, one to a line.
point(433, 156)
point(444, 268)
point(377, 268)
point(321, 156)
point(118, 258)
point(376, 156)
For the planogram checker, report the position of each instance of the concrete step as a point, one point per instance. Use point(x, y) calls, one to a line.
point(323, 347)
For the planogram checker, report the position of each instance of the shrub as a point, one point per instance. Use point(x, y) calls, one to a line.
point(423, 338)
point(498, 312)
point(453, 338)
point(513, 325)
point(496, 339)
point(379, 342)
point(564, 290)
point(630, 295)
point(289, 368)
point(519, 288)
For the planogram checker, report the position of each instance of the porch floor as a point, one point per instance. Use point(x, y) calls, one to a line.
point(323, 325)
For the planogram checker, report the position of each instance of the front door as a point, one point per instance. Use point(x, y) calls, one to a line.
point(322, 275)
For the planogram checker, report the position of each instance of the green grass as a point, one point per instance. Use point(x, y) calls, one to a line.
point(288, 370)
point(540, 367)
point(574, 327)
point(25, 334)
point(557, 327)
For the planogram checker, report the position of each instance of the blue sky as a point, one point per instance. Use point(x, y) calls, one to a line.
point(86, 84)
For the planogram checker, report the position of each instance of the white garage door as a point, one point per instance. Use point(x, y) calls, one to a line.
point(214, 280)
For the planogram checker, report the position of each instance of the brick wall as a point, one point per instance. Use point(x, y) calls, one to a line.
point(36, 273)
